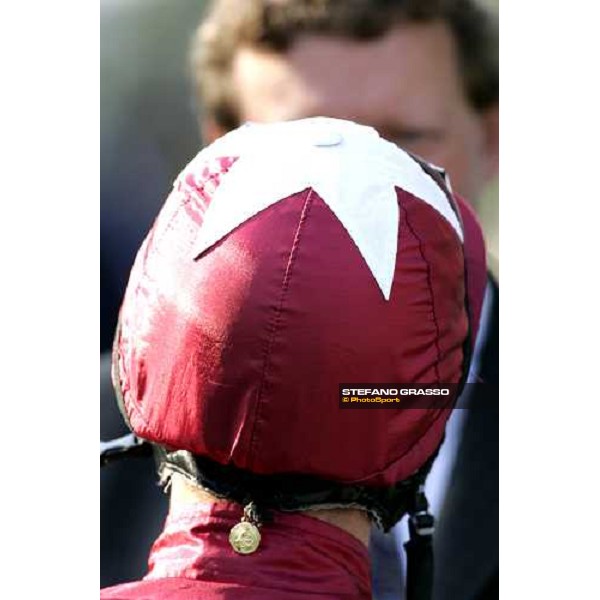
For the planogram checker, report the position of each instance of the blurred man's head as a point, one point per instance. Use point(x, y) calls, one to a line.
point(423, 72)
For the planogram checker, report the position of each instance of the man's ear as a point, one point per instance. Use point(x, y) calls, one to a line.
point(210, 130)
point(490, 122)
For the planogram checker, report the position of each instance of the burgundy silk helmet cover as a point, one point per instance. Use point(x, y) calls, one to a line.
point(290, 258)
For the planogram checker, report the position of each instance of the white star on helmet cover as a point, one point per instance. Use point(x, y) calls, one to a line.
point(352, 169)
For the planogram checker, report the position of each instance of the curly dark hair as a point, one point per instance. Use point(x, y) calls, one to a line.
point(275, 24)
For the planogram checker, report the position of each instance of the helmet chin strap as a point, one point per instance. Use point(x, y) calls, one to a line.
point(123, 447)
point(419, 549)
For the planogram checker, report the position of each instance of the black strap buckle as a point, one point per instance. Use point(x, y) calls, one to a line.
point(422, 523)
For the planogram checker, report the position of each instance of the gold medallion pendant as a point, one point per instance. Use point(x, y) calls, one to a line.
point(244, 537)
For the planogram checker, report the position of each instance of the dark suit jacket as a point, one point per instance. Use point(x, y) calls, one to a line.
point(467, 536)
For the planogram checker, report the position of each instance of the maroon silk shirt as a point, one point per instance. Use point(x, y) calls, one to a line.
point(299, 557)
